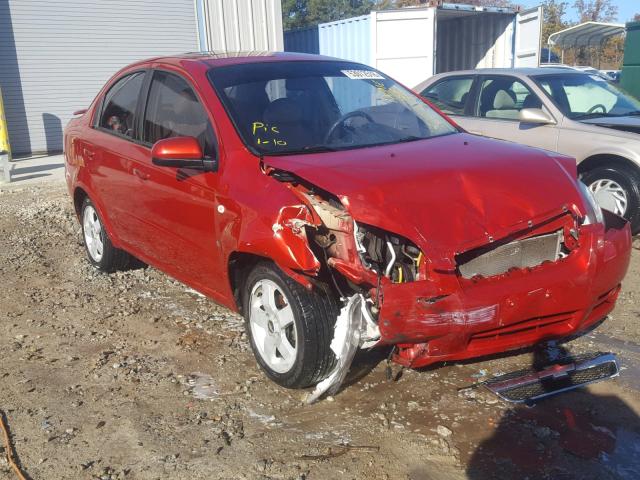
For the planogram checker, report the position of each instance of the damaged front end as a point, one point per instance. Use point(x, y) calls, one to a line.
point(542, 278)
point(356, 260)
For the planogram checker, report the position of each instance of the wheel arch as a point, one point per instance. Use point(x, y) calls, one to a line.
point(604, 159)
point(239, 264)
point(79, 195)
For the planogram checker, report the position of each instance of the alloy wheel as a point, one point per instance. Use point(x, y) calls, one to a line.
point(92, 229)
point(610, 195)
point(273, 326)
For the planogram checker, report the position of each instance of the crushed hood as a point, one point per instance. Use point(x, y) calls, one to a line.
point(447, 194)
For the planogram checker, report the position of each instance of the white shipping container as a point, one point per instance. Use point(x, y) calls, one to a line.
point(240, 25)
point(412, 44)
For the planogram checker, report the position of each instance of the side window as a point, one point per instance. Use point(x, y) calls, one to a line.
point(450, 95)
point(173, 110)
point(118, 114)
point(504, 97)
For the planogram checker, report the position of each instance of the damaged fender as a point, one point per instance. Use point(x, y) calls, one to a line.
point(291, 239)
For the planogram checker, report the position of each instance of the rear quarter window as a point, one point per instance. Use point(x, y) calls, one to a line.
point(450, 95)
point(119, 108)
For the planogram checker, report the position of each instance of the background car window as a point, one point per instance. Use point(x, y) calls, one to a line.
point(450, 95)
point(504, 97)
point(173, 110)
point(580, 95)
point(120, 103)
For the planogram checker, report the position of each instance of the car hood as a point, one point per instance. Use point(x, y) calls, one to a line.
point(447, 194)
point(625, 124)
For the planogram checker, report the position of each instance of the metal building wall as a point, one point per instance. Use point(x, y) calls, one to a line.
point(242, 25)
point(348, 39)
point(630, 78)
point(474, 41)
point(303, 40)
point(55, 55)
point(405, 43)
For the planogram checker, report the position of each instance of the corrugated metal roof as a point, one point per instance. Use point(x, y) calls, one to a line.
point(588, 34)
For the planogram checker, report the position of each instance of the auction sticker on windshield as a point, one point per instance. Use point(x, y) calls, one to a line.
point(362, 75)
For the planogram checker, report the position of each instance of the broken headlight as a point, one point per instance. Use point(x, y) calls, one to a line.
point(388, 254)
point(594, 211)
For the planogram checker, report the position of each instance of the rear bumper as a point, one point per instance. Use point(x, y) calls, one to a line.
point(430, 323)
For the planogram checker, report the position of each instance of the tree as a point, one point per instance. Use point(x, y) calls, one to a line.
point(306, 13)
point(596, 10)
point(610, 54)
point(411, 3)
point(553, 20)
point(636, 17)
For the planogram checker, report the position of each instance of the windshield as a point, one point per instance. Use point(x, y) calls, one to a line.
point(581, 96)
point(281, 108)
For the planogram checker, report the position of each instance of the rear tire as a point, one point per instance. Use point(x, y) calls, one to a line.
point(616, 187)
point(100, 251)
point(289, 327)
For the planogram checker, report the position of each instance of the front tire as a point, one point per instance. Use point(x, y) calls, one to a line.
point(617, 189)
point(289, 327)
point(100, 251)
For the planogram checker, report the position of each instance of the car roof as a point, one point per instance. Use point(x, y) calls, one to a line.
point(524, 71)
point(222, 58)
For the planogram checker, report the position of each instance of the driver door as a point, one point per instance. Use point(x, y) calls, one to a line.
point(179, 204)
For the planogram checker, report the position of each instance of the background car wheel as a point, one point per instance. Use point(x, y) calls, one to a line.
point(290, 328)
point(101, 252)
point(617, 189)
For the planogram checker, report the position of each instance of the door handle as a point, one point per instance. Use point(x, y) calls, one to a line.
point(140, 174)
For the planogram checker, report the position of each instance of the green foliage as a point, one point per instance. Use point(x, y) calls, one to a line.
point(305, 13)
point(596, 10)
point(554, 11)
point(482, 3)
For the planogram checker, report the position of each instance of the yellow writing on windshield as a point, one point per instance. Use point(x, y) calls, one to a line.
point(266, 134)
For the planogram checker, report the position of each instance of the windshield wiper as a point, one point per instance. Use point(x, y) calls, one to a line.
point(586, 116)
point(307, 149)
point(410, 138)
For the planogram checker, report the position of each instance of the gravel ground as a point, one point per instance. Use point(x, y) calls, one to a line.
point(134, 376)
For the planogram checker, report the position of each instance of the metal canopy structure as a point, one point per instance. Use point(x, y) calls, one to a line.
point(588, 34)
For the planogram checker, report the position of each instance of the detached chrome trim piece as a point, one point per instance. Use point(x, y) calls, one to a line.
point(526, 386)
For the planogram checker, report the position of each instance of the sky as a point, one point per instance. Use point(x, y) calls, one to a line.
point(626, 8)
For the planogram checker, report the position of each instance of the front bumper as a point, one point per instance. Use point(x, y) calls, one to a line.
point(430, 323)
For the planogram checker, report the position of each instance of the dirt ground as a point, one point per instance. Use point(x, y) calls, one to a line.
point(134, 376)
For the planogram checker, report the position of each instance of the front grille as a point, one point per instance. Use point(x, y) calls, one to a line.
point(525, 253)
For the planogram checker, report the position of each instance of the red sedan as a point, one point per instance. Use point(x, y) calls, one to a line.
point(336, 210)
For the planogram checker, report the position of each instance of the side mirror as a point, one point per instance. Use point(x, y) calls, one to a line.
point(181, 152)
point(535, 115)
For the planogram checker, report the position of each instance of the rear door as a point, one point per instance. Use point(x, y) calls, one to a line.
point(528, 38)
point(496, 112)
point(109, 150)
point(178, 205)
